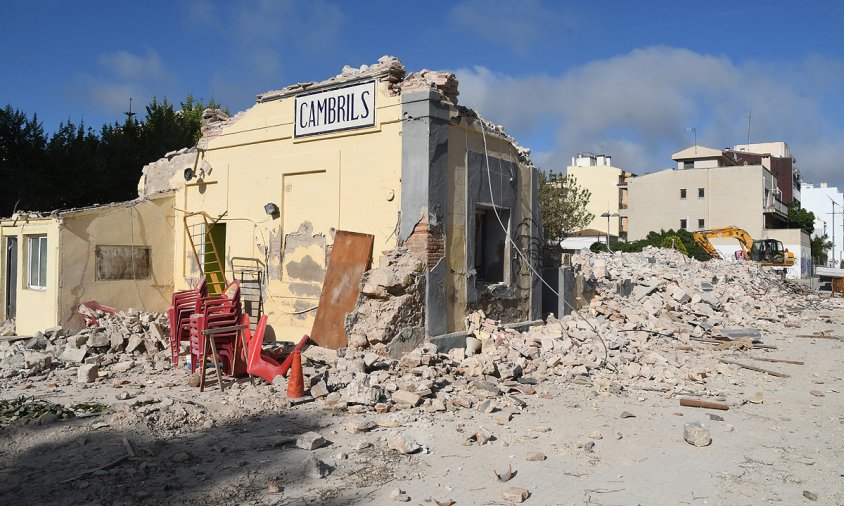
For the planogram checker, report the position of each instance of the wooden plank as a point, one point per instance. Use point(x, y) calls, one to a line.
point(697, 403)
point(754, 368)
point(778, 360)
point(351, 256)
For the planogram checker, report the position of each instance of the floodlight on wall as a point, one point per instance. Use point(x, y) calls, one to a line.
point(188, 174)
point(271, 209)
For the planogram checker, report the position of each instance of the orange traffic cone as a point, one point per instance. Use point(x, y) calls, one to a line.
point(296, 384)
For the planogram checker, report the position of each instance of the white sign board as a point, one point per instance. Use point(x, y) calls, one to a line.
point(344, 108)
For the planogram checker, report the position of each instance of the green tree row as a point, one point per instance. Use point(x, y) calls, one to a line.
point(681, 240)
point(77, 166)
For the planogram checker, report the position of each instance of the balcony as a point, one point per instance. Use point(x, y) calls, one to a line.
point(776, 207)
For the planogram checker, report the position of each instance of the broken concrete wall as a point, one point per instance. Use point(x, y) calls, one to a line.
point(166, 173)
point(146, 224)
point(390, 305)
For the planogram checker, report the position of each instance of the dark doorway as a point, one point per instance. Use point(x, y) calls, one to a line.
point(11, 276)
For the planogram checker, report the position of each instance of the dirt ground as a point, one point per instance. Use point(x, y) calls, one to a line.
point(161, 441)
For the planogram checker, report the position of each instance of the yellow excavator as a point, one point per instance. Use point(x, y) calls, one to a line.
point(768, 252)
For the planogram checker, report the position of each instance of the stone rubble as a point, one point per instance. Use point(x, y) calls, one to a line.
point(114, 344)
point(635, 310)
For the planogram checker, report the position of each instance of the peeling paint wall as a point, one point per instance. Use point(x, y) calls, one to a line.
point(72, 239)
point(146, 223)
point(347, 180)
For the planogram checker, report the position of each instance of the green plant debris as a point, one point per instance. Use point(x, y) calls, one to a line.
point(147, 402)
point(30, 408)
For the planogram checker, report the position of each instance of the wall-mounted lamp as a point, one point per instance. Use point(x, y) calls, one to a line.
point(190, 174)
point(271, 209)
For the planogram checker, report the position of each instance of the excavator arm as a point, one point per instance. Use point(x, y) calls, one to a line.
point(745, 241)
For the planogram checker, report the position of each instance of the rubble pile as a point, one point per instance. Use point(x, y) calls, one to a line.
point(637, 309)
point(119, 342)
point(7, 328)
point(664, 291)
point(391, 302)
point(443, 82)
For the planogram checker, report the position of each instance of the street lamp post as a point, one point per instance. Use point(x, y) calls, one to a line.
point(608, 215)
point(833, 213)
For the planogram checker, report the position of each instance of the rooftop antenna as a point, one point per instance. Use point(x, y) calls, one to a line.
point(749, 115)
point(694, 131)
point(129, 113)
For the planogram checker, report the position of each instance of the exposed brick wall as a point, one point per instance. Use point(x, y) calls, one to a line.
point(427, 242)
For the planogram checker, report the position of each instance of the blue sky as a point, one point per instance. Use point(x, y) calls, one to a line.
point(624, 78)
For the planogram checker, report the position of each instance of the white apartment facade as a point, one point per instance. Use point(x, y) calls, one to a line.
point(827, 203)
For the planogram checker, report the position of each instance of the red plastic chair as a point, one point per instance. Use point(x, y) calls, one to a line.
point(183, 305)
point(260, 363)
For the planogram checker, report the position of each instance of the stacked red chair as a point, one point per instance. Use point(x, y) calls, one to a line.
point(213, 313)
point(179, 313)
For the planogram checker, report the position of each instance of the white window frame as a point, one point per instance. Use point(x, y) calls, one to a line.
point(40, 284)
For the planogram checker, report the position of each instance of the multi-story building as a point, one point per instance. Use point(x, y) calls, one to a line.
point(776, 157)
point(709, 189)
point(827, 203)
point(607, 186)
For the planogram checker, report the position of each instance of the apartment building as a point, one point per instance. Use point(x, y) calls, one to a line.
point(708, 189)
point(607, 186)
point(827, 203)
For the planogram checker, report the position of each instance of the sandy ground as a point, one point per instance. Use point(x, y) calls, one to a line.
point(187, 447)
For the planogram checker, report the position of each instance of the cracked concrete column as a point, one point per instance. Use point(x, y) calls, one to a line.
point(424, 194)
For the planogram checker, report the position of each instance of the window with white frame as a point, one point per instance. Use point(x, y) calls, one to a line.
point(37, 262)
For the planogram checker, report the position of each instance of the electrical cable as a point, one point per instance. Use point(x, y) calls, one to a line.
point(526, 260)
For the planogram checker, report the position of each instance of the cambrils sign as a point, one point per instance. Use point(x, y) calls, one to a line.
point(343, 108)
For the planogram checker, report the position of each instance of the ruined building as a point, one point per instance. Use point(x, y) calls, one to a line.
point(373, 150)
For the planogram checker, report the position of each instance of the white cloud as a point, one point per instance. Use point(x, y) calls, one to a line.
point(124, 75)
point(636, 106)
point(127, 66)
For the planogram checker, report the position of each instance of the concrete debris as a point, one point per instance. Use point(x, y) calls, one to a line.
point(399, 495)
point(391, 299)
point(113, 344)
point(696, 434)
point(515, 494)
point(310, 441)
point(87, 373)
point(535, 457)
point(7, 328)
point(316, 468)
point(402, 443)
point(388, 68)
point(617, 341)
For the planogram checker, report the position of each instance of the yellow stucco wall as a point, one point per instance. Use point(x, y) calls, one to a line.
point(36, 308)
point(145, 223)
point(339, 181)
point(602, 183)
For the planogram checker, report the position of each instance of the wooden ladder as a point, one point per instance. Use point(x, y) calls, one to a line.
point(198, 227)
